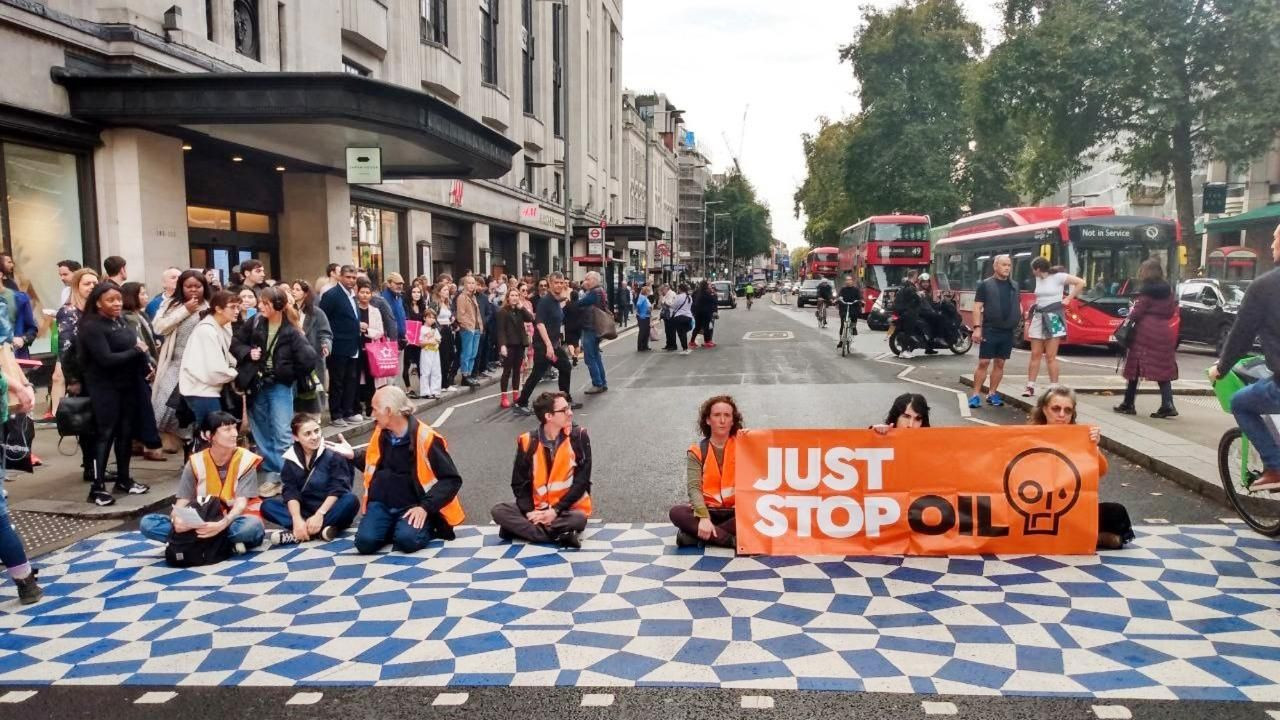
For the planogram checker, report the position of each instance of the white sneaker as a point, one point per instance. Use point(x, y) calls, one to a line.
point(281, 537)
point(338, 422)
point(239, 549)
point(269, 489)
point(686, 352)
point(353, 419)
point(1030, 390)
point(908, 354)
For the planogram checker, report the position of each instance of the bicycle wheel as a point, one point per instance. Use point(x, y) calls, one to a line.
point(846, 339)
point(1239, 465)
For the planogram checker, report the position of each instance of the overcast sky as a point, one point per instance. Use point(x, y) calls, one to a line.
point(714, 58)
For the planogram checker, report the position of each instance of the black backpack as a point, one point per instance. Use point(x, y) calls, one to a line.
point(186, 549)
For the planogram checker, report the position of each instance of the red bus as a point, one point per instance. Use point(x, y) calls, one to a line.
point(880, 250)
point(820, 262)
point(1091, 242)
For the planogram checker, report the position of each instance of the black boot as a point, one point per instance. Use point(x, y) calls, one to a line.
point(29, 591)
point(1125, 409)
point(569, 540)
point(1165, 412)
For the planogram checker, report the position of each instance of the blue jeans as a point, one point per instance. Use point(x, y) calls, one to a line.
point(1249, 405)
point(12, 554)
point(202, 407)
point(270, 411)
point(595, 361)
point(339, 517)
point(381, 525)
point(470, 344)
point(245, 529)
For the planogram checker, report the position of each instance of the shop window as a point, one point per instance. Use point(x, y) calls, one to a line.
point(42, 204)
point(208, 218)
point(374, 233)
point(253, 222)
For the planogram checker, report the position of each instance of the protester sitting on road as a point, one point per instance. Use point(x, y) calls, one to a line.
point(551, 479)
point(909, 410)
point(410, 482)
point(709, 515)
point(316, 502)
point(1057, 406)
point(223, 470)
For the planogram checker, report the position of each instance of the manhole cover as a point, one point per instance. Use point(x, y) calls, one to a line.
point(768, 335)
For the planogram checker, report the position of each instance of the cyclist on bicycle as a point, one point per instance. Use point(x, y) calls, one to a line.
point(825, 295)
point(1258, 318)
point(850, 306)
point(749, 291)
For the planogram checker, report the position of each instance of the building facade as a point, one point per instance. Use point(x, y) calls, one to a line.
point(691, 229)
point(203, 133)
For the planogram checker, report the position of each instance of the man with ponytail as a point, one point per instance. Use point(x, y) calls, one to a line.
point(271, 355)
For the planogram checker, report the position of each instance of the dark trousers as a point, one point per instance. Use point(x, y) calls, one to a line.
point(344, 382)
point(381, 525)
point(509, 518)
point(704, 327)
point(147, 432)
point(115, 415)
point(723, 518)
point(540, 364)
point(1166, 393)
point(669, 330)
point(681, 326)
point(642, 335)
point(412, 358)
point(339, 517)
point(511, 366)
point(483, 357)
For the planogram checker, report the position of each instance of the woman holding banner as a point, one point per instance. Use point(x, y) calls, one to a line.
point(709, 515)
point(909, 410)
point(1057, 406)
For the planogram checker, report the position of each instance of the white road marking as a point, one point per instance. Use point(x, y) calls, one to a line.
point(962, 400)
point(757, 702)
point(17, 696)
point(939, 708)
point(1156, 521)
point(155, 698)
point(305, 698)
point(451, 699)
point(1112, 712)
point(597, 700)
point(444, 416)
point(1238, 521)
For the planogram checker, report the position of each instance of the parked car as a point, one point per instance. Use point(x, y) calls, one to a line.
point(725, 296)
point(1208, 308)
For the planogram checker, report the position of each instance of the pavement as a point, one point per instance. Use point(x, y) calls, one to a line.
point(1179, 624)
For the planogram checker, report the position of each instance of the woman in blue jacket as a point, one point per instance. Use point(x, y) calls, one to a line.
point(315, 500)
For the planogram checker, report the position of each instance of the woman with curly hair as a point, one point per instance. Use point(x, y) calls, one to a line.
point(708, 517)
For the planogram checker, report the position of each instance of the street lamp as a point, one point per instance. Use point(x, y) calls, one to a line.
point(714, 250)
point(705, 205)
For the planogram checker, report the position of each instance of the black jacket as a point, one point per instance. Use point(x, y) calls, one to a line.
point(343, 321)
point(1257, 318)
point(108, 353)
point(292, 356)
point(509, 326)
point(522, 471)
point(705, 302)
point(448, 480)
point(330, 474)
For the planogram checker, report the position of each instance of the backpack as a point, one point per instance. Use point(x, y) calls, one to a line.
point(186, 549)
point(1114, 518)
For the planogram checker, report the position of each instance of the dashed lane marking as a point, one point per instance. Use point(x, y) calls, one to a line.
point(1238, 521)
point(451, 699)
point(597, 700)
point(938, 708)
point(1112, 712)
point(305, 698)
point(155, 698)
point(1156, 521)
point(757, 702)
point(17, 696)
point(962, 400)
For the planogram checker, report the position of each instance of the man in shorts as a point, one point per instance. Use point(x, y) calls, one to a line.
point(997, 308)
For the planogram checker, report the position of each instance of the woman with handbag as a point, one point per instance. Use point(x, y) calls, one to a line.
point(277, 354)
point(371, 329)
point(681, 307)
point(1154, 341)
point(316, 328)
point(116, 369)
point(177, 319)
point(77, 408)
point(207, 366)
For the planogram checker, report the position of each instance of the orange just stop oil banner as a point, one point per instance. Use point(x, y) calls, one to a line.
point(927, 491)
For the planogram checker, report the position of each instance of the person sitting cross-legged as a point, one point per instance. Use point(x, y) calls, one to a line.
point(410, 482)
point(551, 479)
point(315, 501)
point(709, 515)
point(223, 470)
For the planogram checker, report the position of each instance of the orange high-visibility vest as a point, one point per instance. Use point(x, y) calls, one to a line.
point(452, 512)
point(208, 481)
point(717, 481)
point(551, 484)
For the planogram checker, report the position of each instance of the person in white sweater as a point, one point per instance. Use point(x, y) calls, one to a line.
point(207, 364)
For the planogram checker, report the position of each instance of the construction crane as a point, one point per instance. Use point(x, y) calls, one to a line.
point(742, 138)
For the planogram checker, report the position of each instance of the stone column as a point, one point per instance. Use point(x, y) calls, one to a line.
point(315, 227)
point(522, 248)
point(479, 241)
point(419, 230)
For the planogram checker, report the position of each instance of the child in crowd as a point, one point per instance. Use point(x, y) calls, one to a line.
point(429, 374)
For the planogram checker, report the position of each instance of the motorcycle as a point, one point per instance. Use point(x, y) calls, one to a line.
point(958, 338)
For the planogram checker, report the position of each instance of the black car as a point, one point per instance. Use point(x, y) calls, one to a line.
point(1208, 308)
point(725, 296)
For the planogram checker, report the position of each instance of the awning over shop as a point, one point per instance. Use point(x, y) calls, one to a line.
point(1265, 214)
point(311, 117)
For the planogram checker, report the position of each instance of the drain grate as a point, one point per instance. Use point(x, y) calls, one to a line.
point(42, 532)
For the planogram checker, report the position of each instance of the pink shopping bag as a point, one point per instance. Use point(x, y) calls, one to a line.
point(384, 358)
point(412, 331)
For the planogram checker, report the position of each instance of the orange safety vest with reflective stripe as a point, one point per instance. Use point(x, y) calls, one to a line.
point(208, 482)
point(452, 512)
point(717, 481)
point(551, 484)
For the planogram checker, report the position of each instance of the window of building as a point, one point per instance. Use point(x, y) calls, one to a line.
point(375, 234)
point(434, 16)
point(354, 68)
point(556, 188)
point(41, 206)
point(557, 73)
point(489, 41)
point(530, 174)
point(208, 18)
point(527, 56)
point(245, 17)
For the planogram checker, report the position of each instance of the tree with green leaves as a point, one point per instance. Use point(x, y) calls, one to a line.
point(1162, 84)
point(747, 229)
point(822, 198)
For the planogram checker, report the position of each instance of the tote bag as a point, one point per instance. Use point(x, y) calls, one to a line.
point(603, 323)
point(384, 358)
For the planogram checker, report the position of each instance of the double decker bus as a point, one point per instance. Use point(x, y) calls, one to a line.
point(1093, 243)
point(881, 249)
point(822, 262)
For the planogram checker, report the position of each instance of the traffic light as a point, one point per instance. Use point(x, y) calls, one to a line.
point(1214, 198)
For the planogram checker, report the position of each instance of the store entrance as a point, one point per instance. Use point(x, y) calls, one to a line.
point(223, 239)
